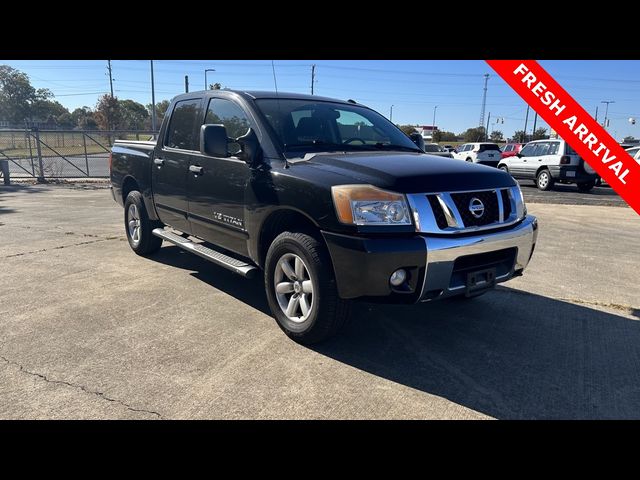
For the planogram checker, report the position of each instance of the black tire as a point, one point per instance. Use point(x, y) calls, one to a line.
point(586, 186)
point(469, 160)
point(328, 312)
point(504, 168)
point(544, 180)
point(147, 243)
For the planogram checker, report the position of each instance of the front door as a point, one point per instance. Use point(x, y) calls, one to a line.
point(217, 185)
point(171, 164)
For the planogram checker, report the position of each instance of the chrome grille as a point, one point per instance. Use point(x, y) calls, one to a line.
point(450, 212)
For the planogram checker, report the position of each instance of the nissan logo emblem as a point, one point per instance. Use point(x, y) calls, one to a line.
point(476, 207)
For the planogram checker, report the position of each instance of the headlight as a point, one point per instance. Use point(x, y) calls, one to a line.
point(369, 205)
point(521, 208)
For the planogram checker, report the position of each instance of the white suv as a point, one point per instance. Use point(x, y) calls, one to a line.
point(549, 161)
point(484, 153)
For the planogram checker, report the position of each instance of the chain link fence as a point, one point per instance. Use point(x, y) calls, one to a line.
point(61, 153)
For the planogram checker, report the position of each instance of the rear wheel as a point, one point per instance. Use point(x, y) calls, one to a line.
point(469, 160)
point(504, 168)
point(586, 186)
point(544, 181)
point(301, 288)
point(139, 227)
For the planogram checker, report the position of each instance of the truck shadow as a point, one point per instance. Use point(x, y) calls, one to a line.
point(508, 354)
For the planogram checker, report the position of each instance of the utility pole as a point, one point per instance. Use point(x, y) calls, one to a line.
point(153, 100)
point(313, 76)
point(606, 112)
point(535, 120)
point(484, 99)
point(110, 76)
point(486, 132)
point(433, 132)
point(391, 114)
point(526, 121)
point(186, 84)
point(596, 117)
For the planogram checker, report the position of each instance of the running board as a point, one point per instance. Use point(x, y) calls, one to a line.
point(219, 258)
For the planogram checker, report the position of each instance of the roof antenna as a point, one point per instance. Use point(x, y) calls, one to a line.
point(275, 83)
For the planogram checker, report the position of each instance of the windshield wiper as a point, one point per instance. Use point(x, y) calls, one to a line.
point(392, 146)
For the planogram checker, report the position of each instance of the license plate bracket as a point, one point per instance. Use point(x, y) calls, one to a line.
point(480, 281)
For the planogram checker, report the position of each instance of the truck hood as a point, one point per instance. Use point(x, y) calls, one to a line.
point(411, 172)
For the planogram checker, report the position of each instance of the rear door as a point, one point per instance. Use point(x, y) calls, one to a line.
point(517, 164)
point(171, 164)
point(217, 184)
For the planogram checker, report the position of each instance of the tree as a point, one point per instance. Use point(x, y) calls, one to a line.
point(108, 112)
point(475, 134)
point(83, 118)
point(629, 139)
point(444, 136)
point(161, 110)
point(17, 95)
point(408, 129)
point(540, 134)
point(133, 114)
point(496, 136)
point(215, 86)
point(519, 136)
point(44, 109)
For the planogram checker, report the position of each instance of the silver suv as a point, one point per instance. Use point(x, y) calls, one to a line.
point(483, 153)
point(549, 161)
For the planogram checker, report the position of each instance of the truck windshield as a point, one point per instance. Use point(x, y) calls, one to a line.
point(304, 126)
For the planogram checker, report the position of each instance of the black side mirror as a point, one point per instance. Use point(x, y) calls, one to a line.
point(213, 140)
point(418, 140)
point(519, 155)
point(250, 150)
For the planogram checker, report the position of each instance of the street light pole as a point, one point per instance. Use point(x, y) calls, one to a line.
point(391, 114)
point(206, 85)
point(433, 127)
point(606, 111)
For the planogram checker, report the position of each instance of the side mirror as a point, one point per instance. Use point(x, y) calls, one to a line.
point(213, 140)
point(519, 155)
point(250, 150)
point(418, 140)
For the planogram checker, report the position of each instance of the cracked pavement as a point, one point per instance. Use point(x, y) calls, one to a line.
point(90, 330)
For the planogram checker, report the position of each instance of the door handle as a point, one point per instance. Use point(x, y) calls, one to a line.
point(197, 170)
point(158, 161)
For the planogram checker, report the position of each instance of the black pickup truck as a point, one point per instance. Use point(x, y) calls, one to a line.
point(326, 197)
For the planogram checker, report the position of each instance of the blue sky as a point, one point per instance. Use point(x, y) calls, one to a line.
point(413, 87)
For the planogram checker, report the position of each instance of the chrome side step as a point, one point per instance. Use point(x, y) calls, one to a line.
point(219, 258)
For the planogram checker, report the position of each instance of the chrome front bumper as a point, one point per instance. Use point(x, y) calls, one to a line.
point(442, 252)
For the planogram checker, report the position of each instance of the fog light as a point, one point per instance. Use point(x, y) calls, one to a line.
point(398, 277)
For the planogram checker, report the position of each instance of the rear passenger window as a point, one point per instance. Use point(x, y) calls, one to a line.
point(553, 148)
point(181, 132)
point(542, 149)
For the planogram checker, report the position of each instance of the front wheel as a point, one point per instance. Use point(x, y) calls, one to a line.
point(301, 288)
point(504, 168)
point(139, 227)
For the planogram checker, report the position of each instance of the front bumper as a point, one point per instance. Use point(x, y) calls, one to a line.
point(436, 264)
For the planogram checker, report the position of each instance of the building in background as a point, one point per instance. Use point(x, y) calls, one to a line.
point(427, 132)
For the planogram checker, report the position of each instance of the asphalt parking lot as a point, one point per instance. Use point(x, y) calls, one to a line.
point(90, 330)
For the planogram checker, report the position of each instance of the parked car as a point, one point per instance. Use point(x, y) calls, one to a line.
point(449, 148)
point(549, 161)
point(511, 149)
point(483, 153)
point(327, 198)
point(635, 153)
point(437, 150)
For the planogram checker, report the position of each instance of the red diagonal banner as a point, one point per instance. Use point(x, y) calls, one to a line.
point(573, 124)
